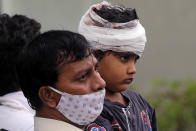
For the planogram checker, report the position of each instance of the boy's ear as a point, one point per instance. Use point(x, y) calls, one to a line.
point(48, 97)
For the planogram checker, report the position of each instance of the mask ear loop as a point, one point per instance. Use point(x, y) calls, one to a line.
point(55, 90)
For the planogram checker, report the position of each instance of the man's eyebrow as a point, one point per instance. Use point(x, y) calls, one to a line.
point(87, 68)
point(82, 71)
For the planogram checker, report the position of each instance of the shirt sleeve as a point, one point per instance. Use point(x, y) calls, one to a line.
point(154, 121)
point(152, 114)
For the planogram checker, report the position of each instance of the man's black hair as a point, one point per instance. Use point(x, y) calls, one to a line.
point(15, 32)
point(39, 61)
point(3, 130)
point(116, 14)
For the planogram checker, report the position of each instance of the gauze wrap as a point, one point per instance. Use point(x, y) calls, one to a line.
point(104, 35)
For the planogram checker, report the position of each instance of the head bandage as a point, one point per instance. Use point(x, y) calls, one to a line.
point(104, 35)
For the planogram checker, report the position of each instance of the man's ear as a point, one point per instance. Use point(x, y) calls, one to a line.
point(48, 97)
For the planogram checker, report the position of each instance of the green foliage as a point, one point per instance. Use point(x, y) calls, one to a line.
point(175, 104)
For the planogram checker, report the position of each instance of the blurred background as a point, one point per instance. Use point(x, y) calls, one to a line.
point(166, 73)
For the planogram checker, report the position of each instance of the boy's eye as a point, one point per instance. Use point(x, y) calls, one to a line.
point(124, 58)
point(136, 60)
point(96, 67)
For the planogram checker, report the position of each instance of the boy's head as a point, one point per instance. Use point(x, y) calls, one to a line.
point(58, 59)
point(15, 32)
point(118, 40)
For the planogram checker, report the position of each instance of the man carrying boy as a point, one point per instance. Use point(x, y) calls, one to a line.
point(59, 78)
point(118, 40)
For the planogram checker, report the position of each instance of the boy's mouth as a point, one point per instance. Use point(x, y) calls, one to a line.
point(128, 81)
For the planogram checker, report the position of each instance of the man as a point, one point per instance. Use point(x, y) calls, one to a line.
point(59, 78)
point(15, 32)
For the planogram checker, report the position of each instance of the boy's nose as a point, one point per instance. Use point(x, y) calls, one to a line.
point(131, 67)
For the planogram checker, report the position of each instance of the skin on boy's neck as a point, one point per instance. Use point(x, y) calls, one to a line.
point(116, 97)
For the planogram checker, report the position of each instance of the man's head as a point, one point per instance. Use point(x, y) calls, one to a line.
point(15, 32)
point(58, 59)
point(118, 40)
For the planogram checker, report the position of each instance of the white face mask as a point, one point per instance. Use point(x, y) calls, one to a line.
point(81, 109)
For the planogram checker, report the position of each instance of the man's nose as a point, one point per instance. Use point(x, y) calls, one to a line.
point(99, 83)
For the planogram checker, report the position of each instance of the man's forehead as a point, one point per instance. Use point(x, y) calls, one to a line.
point(64, 58)
point(79, 65)
point(86, 60)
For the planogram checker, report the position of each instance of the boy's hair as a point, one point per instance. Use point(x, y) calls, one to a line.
point(99, 54)
point(39, 61)
point(15, 32)
point(116, 14)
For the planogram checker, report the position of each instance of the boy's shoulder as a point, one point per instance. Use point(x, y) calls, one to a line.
point(136, 98)
point(132, 95)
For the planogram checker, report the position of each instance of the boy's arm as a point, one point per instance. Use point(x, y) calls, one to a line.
point(151, 112)
point(100, 124)
point(154, 121)
point(152, 116)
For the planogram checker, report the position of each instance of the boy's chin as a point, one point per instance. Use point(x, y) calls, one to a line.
point(124, 87)
point(119, 88)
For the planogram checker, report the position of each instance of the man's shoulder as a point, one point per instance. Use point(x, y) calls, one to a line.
point(46, 124)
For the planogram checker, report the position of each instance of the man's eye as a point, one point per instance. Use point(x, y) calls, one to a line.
point(83, 77)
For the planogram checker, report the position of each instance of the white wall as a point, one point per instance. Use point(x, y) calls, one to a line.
point(52, 14)
point(170, 27)
point(171, 31)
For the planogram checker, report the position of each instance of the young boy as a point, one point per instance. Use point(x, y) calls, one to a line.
point(118, 40)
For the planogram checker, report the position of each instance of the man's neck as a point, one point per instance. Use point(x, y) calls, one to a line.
point(51, 113)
